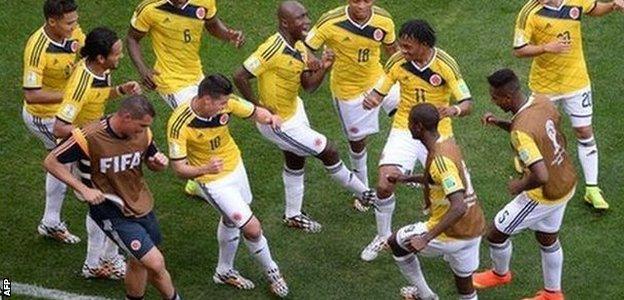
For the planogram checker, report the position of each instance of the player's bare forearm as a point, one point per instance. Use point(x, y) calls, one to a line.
point(217, 28)
point(390, 49)
point(536, 176)
point(529, 51)
point(242, 79)
point(61, 129)
point(603, 8)
point(311, 80)
point(503, 124)
point(456, 211)
point(40, 96)
point(183, 170)
point(465, 107)
point(61, 171)
point(133, 40)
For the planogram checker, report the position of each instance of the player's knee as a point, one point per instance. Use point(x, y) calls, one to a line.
point(252, 230)
point(330, 155)
point(495, 236)
point(396, 249)
point(584, 132)
point(546, 239)
point(357, 146)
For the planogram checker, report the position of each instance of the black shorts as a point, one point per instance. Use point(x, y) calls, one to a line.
point(136, 236)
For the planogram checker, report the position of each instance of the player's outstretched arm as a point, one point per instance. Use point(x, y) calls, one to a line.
point(490, 119)
point(536, 177)
point(157, 162)
point(528, 50)
point(62, 129)
point(60, 171)
point(218, 29)
point(605, 8)
point(263, 116)
point(242, 79)
point(456, 211)
point(133, 40)
point(39, 96)
point(184, 170)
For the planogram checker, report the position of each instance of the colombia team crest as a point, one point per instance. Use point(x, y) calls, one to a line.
point(74, 46)
point(200, 13)
point(224, 119)
point(378, 34)
point(575, 13)
point(435, 80)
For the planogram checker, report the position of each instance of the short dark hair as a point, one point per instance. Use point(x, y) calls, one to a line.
point(425, 114)
point(138, 106)
point(57, 8)
point(215, 85)
point(504, 78)
point(99, 41)
point(419, 30)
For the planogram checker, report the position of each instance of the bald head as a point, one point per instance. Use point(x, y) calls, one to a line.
point(289, 10)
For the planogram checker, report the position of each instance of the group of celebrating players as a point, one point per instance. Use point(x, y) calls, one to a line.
point(67, 84)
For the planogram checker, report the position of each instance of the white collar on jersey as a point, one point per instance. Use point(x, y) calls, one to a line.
point(93, 74)
point(525, 106)
point(183, 6)
point(431, 59)
point(286, 42)
point(62, 45)
point(556, 8)
point(355, 23)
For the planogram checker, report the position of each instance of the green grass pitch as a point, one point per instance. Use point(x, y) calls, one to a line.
point(326, 265)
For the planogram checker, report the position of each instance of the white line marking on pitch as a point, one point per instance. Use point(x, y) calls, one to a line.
point(41, 292)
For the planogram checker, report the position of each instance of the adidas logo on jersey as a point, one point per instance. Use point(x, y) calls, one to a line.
point(120, 163)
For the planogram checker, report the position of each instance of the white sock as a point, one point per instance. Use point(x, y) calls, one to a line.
point(95, 243)
point(228, 238)
point(383, 215)
point(358, 165)
point(55, 193)
point(293, 188)
point(501, 256)
point(588, 156)
point(260, 251)
point(552, 265)
point(346, 178)
point(410, 268)
point(472, 296)
point(111, 250)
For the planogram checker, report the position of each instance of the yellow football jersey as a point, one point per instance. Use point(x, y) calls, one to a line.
point(278, 67)
point(436, 83)
point(538, 24)
point(358, 49)
point(198, 139)
point(85, 97)
point(48, 65)
point(446, 180)
point(176, 38)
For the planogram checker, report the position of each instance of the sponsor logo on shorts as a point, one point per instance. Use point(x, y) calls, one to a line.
point(318, 142)
point(135, 245)
point(354, 130)
point(378, 34)
point(200, 13)
point(237, 216)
